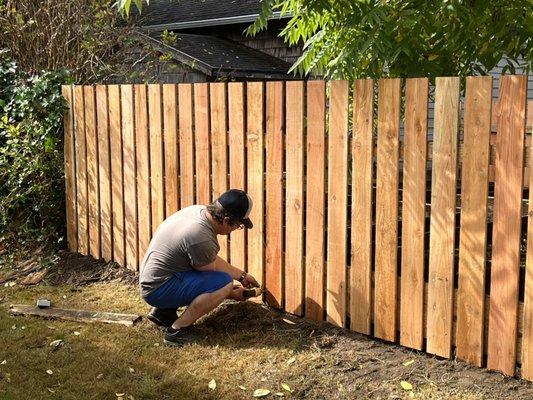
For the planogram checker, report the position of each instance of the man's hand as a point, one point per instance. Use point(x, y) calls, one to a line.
point(249, 281)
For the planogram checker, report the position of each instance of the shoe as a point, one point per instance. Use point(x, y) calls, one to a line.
point(180, 336)
point(162, 316)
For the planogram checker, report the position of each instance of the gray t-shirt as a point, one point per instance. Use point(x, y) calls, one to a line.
point(183, 241)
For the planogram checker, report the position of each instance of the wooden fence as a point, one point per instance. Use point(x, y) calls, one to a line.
point(360, 217)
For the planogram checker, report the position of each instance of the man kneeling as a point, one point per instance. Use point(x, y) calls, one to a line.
point(181, 266)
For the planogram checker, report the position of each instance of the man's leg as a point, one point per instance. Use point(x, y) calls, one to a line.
point(201, 305)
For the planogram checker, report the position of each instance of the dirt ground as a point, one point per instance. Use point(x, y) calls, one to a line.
point(244, 347)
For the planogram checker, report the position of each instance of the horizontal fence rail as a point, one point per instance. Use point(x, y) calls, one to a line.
point(393, 208)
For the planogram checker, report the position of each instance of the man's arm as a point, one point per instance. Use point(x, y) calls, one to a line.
point(222, 265)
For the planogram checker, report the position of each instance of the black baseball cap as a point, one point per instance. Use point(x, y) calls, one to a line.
point(238, 204)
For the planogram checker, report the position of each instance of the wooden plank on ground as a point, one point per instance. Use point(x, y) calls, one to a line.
point(255, 177)
point(142, 156)
point(337, 203)
point(506, 226)
point(92, 172)
point(315, 201)
point(294, 198)
point(361, 219)
point(219, 150)
point(81, 171)
point(130, 184)
point(117, 194)
point(413, 213)
point(473, 234)
point(385, 299)
point(202, 146)
point(274, 194)
point(237, 161)
point(170, 138)
point(76, 315)
point(527, 332)
point(156, 156)
point(186, 145)
point(104, 173)
point(70, 171)
point(442, 225)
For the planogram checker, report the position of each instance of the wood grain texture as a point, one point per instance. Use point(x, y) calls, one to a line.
point(527, 331)
point(506, 226)
point(274, 193)
point(315, 201)
point(413, 213)
point(157, 168)
point(186, 145)
point(170, 139)
point(442, 225)
point(237, 160)
point(385, 300)
point(70, 170)
point(202, 143)
point(361, 218)
point(473, 234)
point(337, 203)
point(82, 206)
point(294, 198)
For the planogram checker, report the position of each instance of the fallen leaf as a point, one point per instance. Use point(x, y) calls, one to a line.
point(64, 296)
point(407, 363)
point(56, 343)
point(11, 284)
point(291, 360)
point(77, 333)
point(212, 384)
point(279, 394)
point(242, 387)
point(132, 370)
point(4, 362)
point(51, 390)
point(49, 371)
point(288, 321)
point(261, 392)
point(14, 327)
point(406, 385)
point(100, 376)
point(156, 344)
point(286, 387)
point(119, 394)
point(22, 327)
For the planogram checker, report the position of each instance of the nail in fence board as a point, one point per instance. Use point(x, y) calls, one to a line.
point(156, 156)
point(473, 234)
point(361, 218)
point(315, 201)
point(202, 145)
point(186, 144)
point(385, 300)
point(294, 188)
point(337, 203)
point(70, 171)
point(442, 225)
point(506, 227)
point(170, 139)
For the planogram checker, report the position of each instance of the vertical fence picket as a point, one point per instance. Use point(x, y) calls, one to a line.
point(442, 223)
point(473, 234)
point(142, 156)
point(237, 160)
point(70, 171)
point(156, 156)
point(294, 189)
point(527, 330)
point(81, 171)
point(219, 146)
point(414, 213)
point(130, 186)
point(385, 298)
point(104, 173)
point(255, 176)
point(117, 195)
point(186, 144)
point(274, 194)
point(202, 143)
point(361, 218)
point(337, 203)
point(170, 138)
point(506, 226)
point(315, 200)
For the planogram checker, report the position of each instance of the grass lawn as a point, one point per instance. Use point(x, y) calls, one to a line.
point(244, 347)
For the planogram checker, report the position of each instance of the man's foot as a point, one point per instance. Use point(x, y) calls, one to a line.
point(180, 337)
point(162, 316)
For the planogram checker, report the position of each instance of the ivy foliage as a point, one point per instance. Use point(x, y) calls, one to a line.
point(405, 38)
point(31, 153)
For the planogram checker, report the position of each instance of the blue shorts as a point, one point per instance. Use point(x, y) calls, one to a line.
point(184, 287)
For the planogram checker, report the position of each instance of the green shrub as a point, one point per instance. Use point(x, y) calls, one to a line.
point(31, 154)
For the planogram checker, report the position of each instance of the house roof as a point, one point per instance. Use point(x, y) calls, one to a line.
point(182, 14)
point(218, 57)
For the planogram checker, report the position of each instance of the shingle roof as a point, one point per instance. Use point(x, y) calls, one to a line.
point(218, 57)
point(163, 12)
